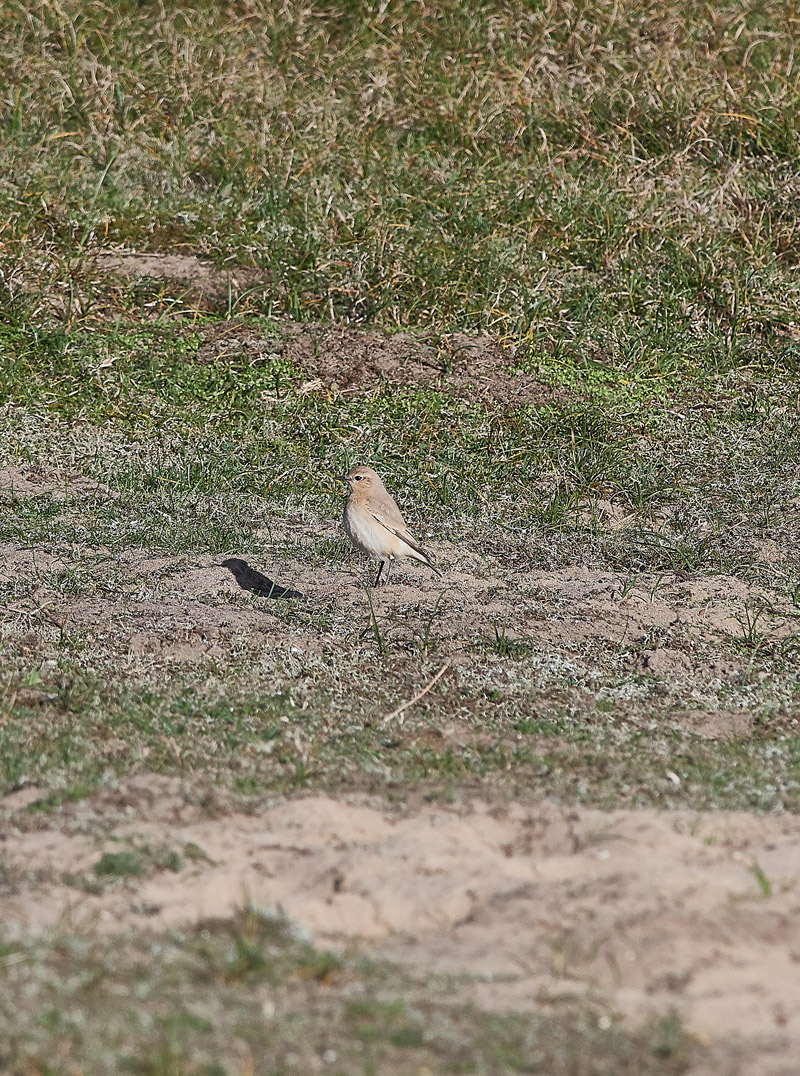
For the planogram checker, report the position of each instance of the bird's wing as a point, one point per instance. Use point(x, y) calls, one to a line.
point(404, 536)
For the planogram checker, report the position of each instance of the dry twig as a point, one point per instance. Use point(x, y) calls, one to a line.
point(418, 696)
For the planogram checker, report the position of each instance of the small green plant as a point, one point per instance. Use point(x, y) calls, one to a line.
point(137, 860)
point(506, 646)
point(372, 623)
point(669, 1039)
point(752, 620)
point(125, 864)
point(762, 881)
point(628, 586)
point(537, 726)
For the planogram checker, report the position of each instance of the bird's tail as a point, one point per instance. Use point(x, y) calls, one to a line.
point(418, 553)
point(424, 557)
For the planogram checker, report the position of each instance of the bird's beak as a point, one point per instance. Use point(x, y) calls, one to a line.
point(343, 478)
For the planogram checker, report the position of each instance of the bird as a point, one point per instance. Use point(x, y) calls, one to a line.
point(374, 524)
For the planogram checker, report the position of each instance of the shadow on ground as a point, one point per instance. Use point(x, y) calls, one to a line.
point(256, 582)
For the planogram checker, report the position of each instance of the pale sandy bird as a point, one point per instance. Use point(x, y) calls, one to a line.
point(374, 523)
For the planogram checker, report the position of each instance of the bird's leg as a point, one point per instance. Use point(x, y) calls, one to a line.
point(377, 582)
point(389, 569)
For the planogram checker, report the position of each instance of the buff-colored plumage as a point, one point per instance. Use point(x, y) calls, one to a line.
point(375, 525)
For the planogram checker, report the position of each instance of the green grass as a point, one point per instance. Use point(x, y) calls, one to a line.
point(250, 994)
point(579, 172)
point(610, 191)
point(79, 730)
point(195, 469)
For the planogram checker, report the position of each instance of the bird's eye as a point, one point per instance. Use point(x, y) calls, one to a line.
point(357, 477)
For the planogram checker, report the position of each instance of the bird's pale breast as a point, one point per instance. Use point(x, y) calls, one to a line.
point(367, 534)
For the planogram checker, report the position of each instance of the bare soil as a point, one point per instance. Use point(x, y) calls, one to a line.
point(184, 608)
point(349, 359)
point(342, 358)
point(33, 481)
point(648, 910)
point(651, 910)
point(183, 275)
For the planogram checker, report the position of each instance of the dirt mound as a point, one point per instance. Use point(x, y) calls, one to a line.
point(345, 358)
point(474, 367)
point(353, 360)
point(652, 910)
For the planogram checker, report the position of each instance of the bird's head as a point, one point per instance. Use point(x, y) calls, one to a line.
point(361, 480)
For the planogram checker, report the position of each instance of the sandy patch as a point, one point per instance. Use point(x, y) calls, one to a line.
point(650, 910)
point(31, 480)
point(187, 274)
